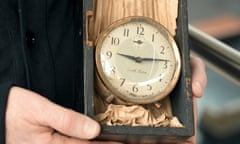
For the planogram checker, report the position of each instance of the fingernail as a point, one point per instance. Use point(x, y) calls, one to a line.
point(91, 129)
point(198, 85)
point(199, 88)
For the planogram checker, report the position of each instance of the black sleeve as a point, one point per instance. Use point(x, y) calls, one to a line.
point(4, 90)
point(9, 41)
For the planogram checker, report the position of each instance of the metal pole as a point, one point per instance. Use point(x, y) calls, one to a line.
point(221, 56)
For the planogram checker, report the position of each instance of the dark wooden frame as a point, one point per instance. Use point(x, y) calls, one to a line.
point(181, 97)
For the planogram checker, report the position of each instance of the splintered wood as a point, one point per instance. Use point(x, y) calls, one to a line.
point(135, 115)
point(107, 12)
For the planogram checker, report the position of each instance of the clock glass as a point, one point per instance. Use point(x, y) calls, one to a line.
point(138, 60)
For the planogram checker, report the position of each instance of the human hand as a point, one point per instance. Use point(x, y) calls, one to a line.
point(199, 82)
point(32, 119)
point(199, 76)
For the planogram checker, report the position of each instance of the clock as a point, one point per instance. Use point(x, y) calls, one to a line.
point(137, 60)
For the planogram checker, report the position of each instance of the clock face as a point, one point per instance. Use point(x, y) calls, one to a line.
point(138, 60)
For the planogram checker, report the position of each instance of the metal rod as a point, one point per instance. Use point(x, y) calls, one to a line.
point(216, 45)
point(222, 58)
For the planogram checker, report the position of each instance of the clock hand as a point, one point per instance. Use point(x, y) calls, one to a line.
point(154, 59)
point(140, 59)
point(137, 59)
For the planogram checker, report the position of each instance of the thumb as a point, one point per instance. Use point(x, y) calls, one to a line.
point(69, 122)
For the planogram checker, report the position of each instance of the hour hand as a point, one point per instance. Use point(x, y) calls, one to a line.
point(128, 56)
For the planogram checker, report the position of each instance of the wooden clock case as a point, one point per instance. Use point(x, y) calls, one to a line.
point(181, 96)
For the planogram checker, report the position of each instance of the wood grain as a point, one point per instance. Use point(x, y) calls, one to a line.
point(107, 12)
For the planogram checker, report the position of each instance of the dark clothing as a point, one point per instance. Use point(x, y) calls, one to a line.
point(41, 49)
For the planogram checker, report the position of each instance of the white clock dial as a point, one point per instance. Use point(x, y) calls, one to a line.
point(138, 60)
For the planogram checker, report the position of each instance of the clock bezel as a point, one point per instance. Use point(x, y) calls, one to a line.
point(168, 36)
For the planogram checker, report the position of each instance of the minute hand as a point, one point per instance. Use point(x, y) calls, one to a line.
point(140, 59)
point(154, 59)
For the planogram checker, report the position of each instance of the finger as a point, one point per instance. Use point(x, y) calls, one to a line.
point(199, 76)
point(69, 122)
point(61, 139)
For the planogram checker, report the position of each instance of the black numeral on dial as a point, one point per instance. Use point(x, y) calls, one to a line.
point(115, 41)
point(123, 81)
point(162, 50)
point(149, 87)
point(126, 32)
point(140, 30)
point(135, 88)
point(109, 54)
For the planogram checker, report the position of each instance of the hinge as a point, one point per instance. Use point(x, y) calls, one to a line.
point(89, 17)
